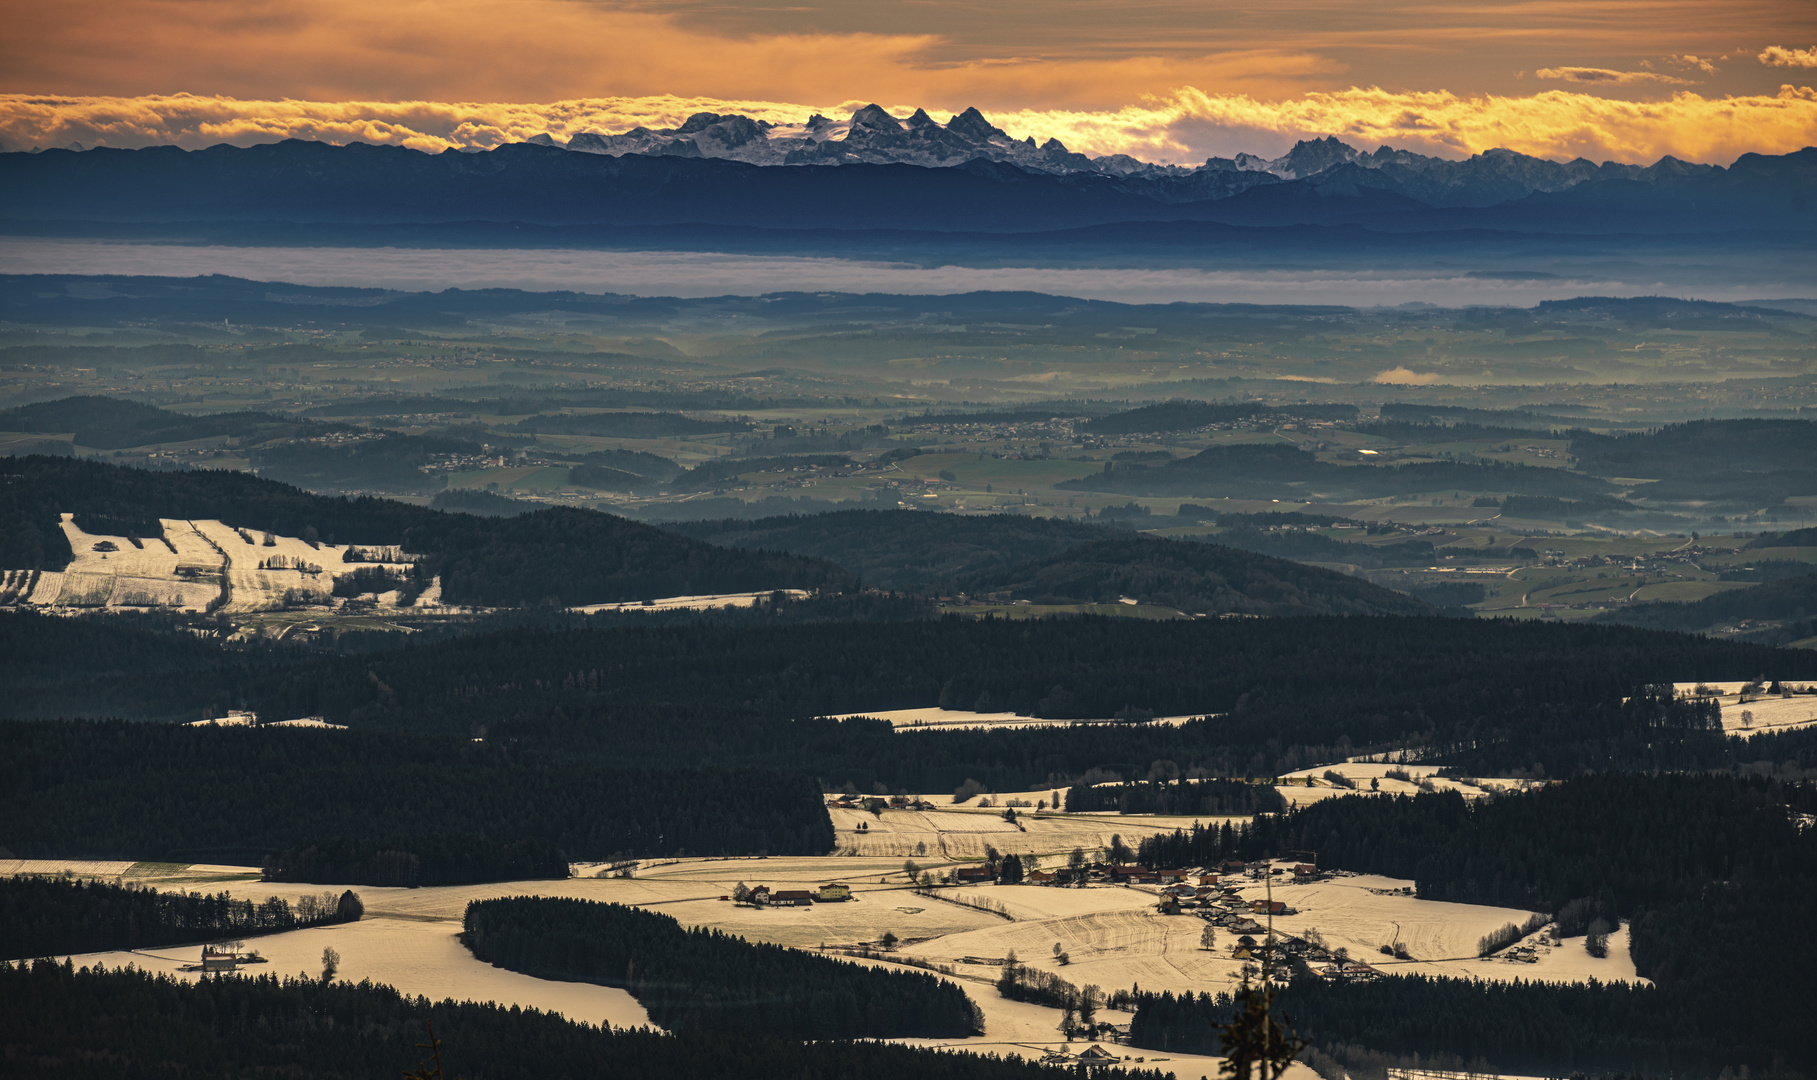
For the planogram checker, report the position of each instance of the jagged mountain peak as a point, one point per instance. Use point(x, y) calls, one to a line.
point(700, 121)
point(972, 124)
point(1312, 156)
point(875, 118)
point(873, 135)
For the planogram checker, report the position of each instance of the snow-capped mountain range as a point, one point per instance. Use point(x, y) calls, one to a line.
point(873, 136)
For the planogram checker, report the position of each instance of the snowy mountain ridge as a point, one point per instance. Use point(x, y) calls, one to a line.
point(873, 136)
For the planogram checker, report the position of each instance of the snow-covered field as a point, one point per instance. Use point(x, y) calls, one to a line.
point(187, 569)
point(963, 833)
point(416, 957)
point(694, 603)
point(959, 719)
point(1297, 793)
point(1113, 936)
point(109, 571)
point(1766, 713)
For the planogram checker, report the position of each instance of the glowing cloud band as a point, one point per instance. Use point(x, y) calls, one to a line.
point(1184, 127)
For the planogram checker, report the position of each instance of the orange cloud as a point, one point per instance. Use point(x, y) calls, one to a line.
point(1606, 77)
point(1776, 56)
point(1554, 124)
point(549, 50)
point(1184, 126)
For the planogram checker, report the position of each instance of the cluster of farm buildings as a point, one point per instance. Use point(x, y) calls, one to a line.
point(764, 896)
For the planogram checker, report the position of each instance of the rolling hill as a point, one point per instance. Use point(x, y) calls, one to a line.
point(1053, 561)
point(563, 555)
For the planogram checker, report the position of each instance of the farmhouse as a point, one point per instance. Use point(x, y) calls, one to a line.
point(760, 895)
point(833, 893)
point(219, 960)
point(792, 898)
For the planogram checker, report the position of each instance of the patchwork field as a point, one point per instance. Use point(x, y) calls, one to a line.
point(200, 566)
point(693, 603)
point(963, 833)
point(1113, 936)
point(1371, 778)
point(1765, 713)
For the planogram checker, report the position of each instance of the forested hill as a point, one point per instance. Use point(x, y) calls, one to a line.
point(567, 555)
point(904, 549)
point(1051, 561)
point(354, 807)
point(105, 423)
point(707, 980)
point(1792, 598)
point(1490, 696)
point(1199, 578)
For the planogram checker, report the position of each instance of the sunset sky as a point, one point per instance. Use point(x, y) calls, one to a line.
point(1163, 79)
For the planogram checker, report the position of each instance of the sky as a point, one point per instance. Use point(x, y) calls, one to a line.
point(1165, 80)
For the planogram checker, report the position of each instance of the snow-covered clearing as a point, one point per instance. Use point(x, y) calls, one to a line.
point(83, 868)
point(188, 568)
point(1363, 912)
point(1295, 790)
point(1764, 712)
point(110, 571)
point(247, 719)
point(1768, 714)
point(694, 603)
point(951, 833)
point(416, 957)
point(959, 719)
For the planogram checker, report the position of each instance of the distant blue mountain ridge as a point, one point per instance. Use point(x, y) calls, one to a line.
point(877, 172)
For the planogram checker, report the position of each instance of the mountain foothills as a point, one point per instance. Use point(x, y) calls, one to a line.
point(964, 174)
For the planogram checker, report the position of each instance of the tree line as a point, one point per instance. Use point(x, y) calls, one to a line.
point(1492, 698)
point(1525, 1028)
point(55, 916)
point(91, 1024)
point(705, 980)
point(1165, 796)
point(357, 807)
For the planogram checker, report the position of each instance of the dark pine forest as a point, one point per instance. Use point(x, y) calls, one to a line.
point(705, 980)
